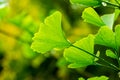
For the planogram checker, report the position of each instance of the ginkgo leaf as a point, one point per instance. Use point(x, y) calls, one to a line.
point(81, 78)
point(105, 36)
point(87, 2)
point(117, 12)
point(79, 58)
point(50, 35)
point(117, 35)
point(108, 19)
point(99, 78)
point(96, 78)
point(97, 54)
point(111, 54)
point(89, 15)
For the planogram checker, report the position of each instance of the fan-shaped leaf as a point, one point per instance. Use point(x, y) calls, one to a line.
point(50, 35)
point(105, 36)
point(89, 15)
point(80, 58)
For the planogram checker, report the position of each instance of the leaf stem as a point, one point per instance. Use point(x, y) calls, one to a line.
point(116, 68)
point(104, 65)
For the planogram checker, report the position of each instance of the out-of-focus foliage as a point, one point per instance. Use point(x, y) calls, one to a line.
point(20, 19)
point(95, 78)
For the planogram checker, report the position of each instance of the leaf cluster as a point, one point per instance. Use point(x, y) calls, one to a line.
point(81, 53)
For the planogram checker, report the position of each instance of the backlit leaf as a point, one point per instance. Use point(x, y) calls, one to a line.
point(87, 2)
point(117, 35)
point(108, 19)
point(50, 35)
point(89, 15)
point(117, 12)
point(111, 54)
point(105, 36)
point(80, 58)
point(81, 79)
point(98, 54)
point(98, 78)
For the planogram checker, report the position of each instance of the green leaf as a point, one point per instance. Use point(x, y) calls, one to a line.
point(87, 2)
point(99, 78)
point(80, 58)
point(108, 19)
point(50, 35)
point(89, 15)
point(81, 79)
point(28, 52)
point(96, 78)
point(117, 12)
point(18, 19)
point(111, 54)
point(105, 36)
point(117, 35)
point(3, 12)
point(98, 54)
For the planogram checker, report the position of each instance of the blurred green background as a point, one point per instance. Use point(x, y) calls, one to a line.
point(20, 19)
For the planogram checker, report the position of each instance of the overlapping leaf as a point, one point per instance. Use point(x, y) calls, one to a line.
point(87, 2)
point(96, 78)
point(99, 78)
point(50, 35)
point(111, 54)
point(105, 36)
point(117, 35)
point(89, 15)
point(81, 78)
point(79, 58)
point(108, 19)
point(117, 12)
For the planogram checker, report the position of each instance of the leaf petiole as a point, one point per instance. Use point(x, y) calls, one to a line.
point(112, 65)
point(104, 66)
